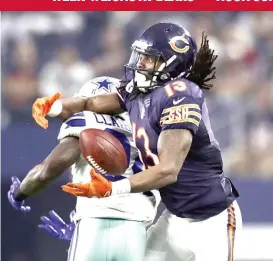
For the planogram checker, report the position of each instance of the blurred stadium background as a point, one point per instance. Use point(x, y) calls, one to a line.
point(45, 52)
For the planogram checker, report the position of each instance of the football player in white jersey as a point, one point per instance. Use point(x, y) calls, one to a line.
point(119, 221)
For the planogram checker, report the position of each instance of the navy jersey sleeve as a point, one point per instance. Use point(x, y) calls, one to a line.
point(180, 112)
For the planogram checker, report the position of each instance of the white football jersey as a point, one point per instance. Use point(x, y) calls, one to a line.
point(135, 206)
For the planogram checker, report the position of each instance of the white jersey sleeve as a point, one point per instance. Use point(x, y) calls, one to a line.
point(101, 85)
point(84, 120)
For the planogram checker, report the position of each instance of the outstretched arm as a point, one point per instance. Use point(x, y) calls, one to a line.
point(63, 156)
point(64, 108)
point(104, 104)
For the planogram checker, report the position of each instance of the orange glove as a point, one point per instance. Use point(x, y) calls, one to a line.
point(98, 187)
point(41, 108)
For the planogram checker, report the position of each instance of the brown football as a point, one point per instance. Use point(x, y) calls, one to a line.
point(103, 151)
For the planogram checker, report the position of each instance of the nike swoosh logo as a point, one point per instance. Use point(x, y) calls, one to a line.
point(178, 101)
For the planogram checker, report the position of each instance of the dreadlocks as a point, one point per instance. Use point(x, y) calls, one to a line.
point(203, 70)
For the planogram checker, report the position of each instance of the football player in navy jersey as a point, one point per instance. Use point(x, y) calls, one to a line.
point(163, 93)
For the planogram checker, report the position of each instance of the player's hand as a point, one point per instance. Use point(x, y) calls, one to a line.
point(41, 108)
point(98, 187)
point(18, 205)
point(55, 226)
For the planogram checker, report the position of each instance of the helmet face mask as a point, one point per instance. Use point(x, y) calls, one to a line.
point(146, 65)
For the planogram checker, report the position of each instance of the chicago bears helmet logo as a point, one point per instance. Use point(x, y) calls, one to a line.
point(179, 44)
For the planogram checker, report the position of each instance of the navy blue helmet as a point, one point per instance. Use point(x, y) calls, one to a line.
point(169, 51)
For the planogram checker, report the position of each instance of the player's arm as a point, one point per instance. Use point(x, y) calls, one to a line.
point(64, 108)
point(65, 154)
point(173, 148)
point(103, 104)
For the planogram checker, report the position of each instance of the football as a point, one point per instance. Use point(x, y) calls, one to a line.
point(103, 151)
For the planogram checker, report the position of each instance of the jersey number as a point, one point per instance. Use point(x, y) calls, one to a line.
point(141, 134)
point(171, 88)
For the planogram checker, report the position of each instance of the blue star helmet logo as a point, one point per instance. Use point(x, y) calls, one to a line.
point(105, 84)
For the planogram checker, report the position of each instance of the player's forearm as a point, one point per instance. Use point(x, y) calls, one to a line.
point(62, 157)
point(153, 178)
point(103, 104)
point(71, 106)
point(36, 179)
point(66, 153)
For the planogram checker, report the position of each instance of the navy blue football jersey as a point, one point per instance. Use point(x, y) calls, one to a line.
point(201, 190)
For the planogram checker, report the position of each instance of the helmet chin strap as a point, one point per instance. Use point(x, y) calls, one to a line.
point(130, 86)
point(141, 80)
